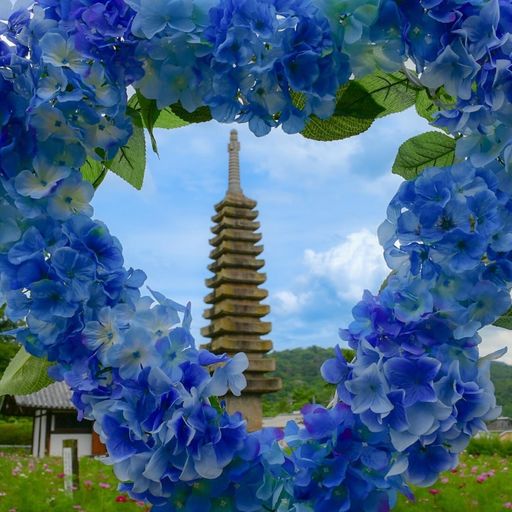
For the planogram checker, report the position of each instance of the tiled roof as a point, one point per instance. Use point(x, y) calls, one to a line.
point(55, 396)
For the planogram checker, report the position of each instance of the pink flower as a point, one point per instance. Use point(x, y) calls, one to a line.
point(104, 485)
point(434, 491)
point(474, 469)
point(481, 478)
point(508, 505)
point(60, 475)
point(88, 483)
point(121, 499)
point(444, 480)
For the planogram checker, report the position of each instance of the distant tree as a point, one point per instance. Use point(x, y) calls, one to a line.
point(8, 347)
point(299, 370)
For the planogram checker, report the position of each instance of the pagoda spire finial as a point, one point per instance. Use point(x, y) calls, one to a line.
point(234, 164)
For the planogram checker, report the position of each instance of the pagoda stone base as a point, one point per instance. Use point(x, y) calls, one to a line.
point(250, 407)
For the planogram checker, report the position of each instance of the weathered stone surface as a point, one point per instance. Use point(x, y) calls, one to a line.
point(249, 406)
point(230, 291)
point(228, 325)
point(263, 384)
point(239, 261)
point(235, 213)
point(236, 276)
point(230, 247)
point(236, 310)
point(229, 222)
point(240, 344)
point(235, 235)
point(235, 201)
point(233, 307)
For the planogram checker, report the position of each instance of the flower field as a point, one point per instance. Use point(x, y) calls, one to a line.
point(480, 483)
point(37, 485)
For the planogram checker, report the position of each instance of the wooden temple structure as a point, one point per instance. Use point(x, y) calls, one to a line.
point(236, 313)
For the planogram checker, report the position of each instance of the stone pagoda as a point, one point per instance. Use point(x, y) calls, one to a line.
point(236, 312)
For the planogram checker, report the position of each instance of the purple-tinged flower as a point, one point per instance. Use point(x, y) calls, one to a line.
point(414, 376)
point(370, 391)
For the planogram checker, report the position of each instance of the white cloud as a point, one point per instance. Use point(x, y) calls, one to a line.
point(292, 157)
point(495, 338)
point(287, 302)
point(351, 266)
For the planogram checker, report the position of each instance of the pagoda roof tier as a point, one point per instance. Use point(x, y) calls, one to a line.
point(258, 363)
point(236, 276)
point(235, 201)
point(230, 247)
point(235, 235)
point(229, 222)
point(240, 343)
point(262, 384)
point(235, 213)
point(236, 325)
point(229, 307)
point(235, 261)
point(229, 291)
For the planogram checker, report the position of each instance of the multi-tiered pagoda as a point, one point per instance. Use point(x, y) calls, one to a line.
point(236, 311)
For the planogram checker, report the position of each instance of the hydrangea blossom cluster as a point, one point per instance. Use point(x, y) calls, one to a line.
point(460, 49)
point(417, 375)
point(414, 394)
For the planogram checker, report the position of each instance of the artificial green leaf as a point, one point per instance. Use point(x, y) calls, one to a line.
point(25, 374)
point(425, 105)
point(431, 149)
point(347, 121)
point(391, 91)
point(94, 172)
point(505, 321)
point(200, 115)
point(130, 161)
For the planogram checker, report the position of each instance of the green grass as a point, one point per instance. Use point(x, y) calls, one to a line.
point(36, 485)
point(490, 445)
point(15, 430)
point(480, 483)
point(29, 485)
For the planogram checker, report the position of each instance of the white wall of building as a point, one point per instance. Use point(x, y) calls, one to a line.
point(84, 444)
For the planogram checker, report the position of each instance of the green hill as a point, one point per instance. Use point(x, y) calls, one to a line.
point(300, 371)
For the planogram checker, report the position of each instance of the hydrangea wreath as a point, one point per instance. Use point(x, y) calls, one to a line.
point(416, 391)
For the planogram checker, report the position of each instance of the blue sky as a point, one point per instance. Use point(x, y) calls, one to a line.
point(320, 205)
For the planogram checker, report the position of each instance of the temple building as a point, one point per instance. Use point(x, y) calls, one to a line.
point(236, 311)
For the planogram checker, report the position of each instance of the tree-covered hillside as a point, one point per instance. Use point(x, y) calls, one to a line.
point(501, 375)
point(300, 371)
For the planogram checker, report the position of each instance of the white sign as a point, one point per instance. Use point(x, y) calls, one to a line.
point(67, 455)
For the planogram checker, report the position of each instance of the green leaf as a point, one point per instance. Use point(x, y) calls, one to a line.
point(130, 161)
point(347, 121)
point(169, 120)
point(431, 149)
point(505, 321)
point(425, 105)
point(149, 113)
point(391, 91)
point(200, 115)
point(25, 374)
point(94, 172)
point(166, 118)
